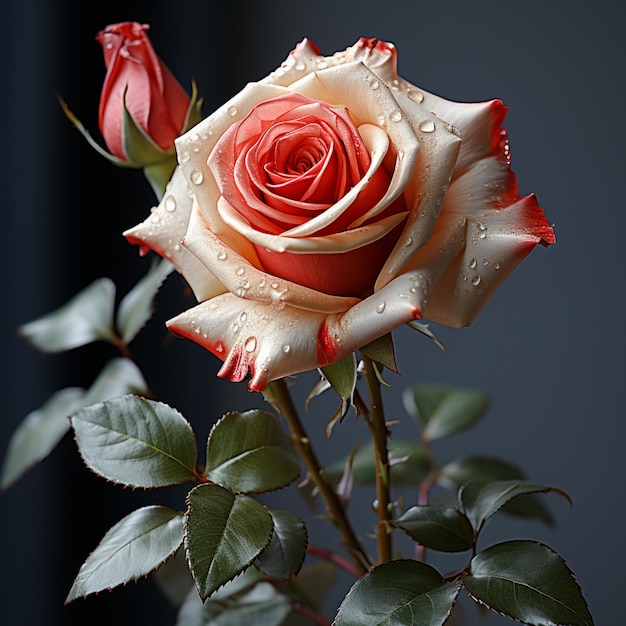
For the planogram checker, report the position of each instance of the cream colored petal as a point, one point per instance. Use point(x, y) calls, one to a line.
point(377, 143)
point(425, 192)
point(326, 244)
point(163, 231)
point(270, 340)
point(246, 281)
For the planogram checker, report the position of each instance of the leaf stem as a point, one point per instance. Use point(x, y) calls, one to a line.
point(336, 559)
point(380, 434)
point(279, 392)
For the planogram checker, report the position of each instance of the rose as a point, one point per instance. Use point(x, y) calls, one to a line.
point(139, 84)
point(326, 205)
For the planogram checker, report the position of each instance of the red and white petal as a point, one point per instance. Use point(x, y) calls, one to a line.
point(163, 232)
point(273, 340)
point(243, 279)
point(495, 243)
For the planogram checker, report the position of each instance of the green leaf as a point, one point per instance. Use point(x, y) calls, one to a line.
point(381, 351)
point(529, 582)
point(224, 533)
point(481, 498)
point(136, 442)
point(42, 429)
point(174, 579)
point(440, 528)
point(443, 410)
point(342, 376)
point(250, 453)
point(85, 318)
point(39, 433)
point(457, 473)
point(90, 140)
point(409, 464)
point(136, 307)
point(262, 605)
point(135, 546)
point(285, 553)
point(404, 592)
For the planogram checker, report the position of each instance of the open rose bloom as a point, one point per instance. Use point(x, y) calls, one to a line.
point(331, 202)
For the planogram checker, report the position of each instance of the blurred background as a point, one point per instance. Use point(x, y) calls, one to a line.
point(548, 349)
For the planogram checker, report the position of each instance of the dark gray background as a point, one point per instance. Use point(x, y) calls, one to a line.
point(548, 348)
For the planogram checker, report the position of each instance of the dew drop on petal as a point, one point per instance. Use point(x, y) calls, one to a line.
point(416, 96)
point(250, 344)
point(374, 84)
point(232, 111)
point(155, 218)
point(196, 177)
point(170, 203)
point(239, 271)
point(473, 264)
point(381, 120)
point(286, 348)
point(395, 115)
point(219, 347)
point(476, 281)
point(221, 255)
point(427, 126)
point(300, 66)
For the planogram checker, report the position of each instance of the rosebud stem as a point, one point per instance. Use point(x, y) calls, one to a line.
point(280, 394)
point(378, 428)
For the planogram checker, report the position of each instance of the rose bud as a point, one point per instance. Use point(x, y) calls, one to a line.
point(331, 202)
point(140, 87)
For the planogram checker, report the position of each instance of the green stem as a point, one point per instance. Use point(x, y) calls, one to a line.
point(379, 431)
point(280, 394)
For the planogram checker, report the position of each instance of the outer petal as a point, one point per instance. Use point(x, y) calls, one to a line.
point(272, 340)
point(163, 231)
point(494, 244)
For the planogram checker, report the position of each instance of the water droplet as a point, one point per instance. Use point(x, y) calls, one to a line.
point(381, 120)
point(322, 64)
point(496, 266)
point(416, 96)
point(155, 218)
point(381, 307)
point(221, 255)
point(262, 282)
point(427, 126)
point(170, 203)
point(232, 111)
point(476, 281)
point(274, 285)
point(250, 345)
point(409, 242)
point(239, 271)
point(243, 316)
point(374, 84)
point(473, 264)
point(219, 347)
point(485, 262)
point(196, 177)
point(395, 115)
point(300, 66)
point(286, 348)
point(212, 306)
